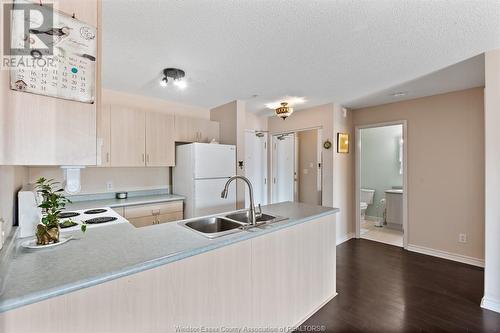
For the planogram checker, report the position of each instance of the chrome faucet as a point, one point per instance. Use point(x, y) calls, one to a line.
point(223, 195)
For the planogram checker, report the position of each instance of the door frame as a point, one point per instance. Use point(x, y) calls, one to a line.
point(272, 179)
point(266, 164)
point(357, 182)
point(271, 159)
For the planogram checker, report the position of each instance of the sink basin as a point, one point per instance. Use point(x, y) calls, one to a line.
point(212, 227)
point(244, 217)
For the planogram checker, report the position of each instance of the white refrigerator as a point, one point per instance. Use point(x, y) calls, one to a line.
point(200, 173)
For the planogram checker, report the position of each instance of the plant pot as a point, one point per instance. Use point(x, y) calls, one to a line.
point(45, 235)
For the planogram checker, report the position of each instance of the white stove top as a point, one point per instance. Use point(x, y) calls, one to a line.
point(88, 216)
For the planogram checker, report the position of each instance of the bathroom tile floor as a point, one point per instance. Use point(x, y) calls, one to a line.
point(381, 234)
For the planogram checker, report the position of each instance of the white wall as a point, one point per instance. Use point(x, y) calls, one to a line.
point(12, 180)
point(93, 180)
point(380, 162)
point(491, 299)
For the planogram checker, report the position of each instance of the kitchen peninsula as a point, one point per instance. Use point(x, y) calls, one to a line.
point(172, 277)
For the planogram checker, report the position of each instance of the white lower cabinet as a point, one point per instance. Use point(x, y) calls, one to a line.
point(274, 280)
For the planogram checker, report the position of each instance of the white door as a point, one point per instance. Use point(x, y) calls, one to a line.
point(214, 160)
point(284, 168)
point(256, 166)
point(207, 197)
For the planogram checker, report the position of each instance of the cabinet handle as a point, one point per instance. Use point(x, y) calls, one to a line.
point(147, 158)
point(107, 157)
point(143, 157)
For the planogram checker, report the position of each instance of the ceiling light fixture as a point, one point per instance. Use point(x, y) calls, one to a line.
point(399, 94)
point(177, 77)
point(284, 111)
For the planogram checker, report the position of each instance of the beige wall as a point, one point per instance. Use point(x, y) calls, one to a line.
point(11, 180)
point(112, 97)
point(343, 175)
point(319, 116)
point(491, 298)
point(226, 115)
point(445, 168)
point(337, 182)
point(308, 175)
point(232, 119)
point(93, 180)
point(255, 122)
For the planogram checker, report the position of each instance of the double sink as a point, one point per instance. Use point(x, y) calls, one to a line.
point(218, 226)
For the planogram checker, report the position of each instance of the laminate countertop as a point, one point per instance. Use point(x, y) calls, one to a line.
point(111, 252)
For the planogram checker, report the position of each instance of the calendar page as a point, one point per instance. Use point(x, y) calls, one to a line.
point(65, 68)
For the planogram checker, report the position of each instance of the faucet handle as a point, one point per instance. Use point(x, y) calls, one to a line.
point(259, 213)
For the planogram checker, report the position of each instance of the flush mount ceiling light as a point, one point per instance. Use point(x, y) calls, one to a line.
point(174, 75)
point(284, 109)
point(399, 94)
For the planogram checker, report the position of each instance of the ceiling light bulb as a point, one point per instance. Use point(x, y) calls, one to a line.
point(181, 84)
point(163, 82)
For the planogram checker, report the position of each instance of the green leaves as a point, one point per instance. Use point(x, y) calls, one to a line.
point(53, 201)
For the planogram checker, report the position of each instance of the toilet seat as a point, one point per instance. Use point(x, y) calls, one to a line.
point(363, 205)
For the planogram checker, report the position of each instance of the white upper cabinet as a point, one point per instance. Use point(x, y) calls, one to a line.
point(132, 137)
point(128, 136)
point(43, 130)
point(160, 146)
point(195, 129)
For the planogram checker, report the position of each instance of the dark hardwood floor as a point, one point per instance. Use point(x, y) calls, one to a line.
point(382, 288)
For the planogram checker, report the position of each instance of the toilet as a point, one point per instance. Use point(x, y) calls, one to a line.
point(365, 199)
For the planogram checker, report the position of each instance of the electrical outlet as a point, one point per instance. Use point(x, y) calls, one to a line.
point(109, 185)
point(462, 238)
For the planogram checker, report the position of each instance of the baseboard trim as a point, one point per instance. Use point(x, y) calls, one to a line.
point(490, 304)
point(345, 238)
point(317, 309)
point(446, 255)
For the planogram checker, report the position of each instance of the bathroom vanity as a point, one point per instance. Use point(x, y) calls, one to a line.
point(165, 277)
point(394, 209)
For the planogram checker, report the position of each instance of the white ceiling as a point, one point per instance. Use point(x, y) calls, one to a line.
point(325, 51)
point(466, 74)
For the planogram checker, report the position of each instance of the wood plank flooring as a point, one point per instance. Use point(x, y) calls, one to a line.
point(383, 288)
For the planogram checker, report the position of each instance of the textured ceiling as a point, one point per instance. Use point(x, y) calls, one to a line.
point(466, 74)
point(324, 51)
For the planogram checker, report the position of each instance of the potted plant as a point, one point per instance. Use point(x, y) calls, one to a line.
point(53, 202)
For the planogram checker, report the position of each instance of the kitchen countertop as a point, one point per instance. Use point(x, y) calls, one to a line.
point(111, 252)
point(130, 201)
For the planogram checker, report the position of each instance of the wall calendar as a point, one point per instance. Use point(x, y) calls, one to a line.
point(56, 59)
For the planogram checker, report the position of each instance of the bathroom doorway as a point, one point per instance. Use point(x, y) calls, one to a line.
point(296, 167)
point(381, 194)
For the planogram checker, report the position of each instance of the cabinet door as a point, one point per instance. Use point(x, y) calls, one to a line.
point(128, 137)
point(104, 136)
point(160, 141)
point(206, 130)
point(185, 129)
point(144, 221)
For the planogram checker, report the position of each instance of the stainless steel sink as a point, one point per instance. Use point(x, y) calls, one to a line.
point(244, 217)
point(213, 227)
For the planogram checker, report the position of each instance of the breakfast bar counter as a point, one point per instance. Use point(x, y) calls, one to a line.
point(116, 256)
